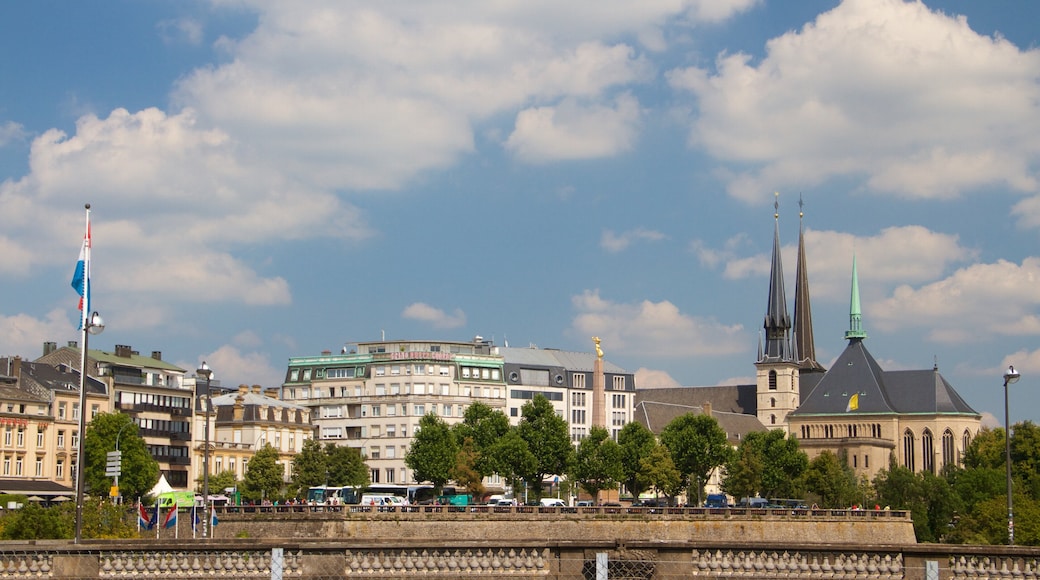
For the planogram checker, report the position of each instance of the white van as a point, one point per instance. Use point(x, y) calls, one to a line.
point(553, 502)
point(380, 499)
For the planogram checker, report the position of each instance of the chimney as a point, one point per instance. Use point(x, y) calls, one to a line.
point(73, 344)
point(706, 408)
point(157, 354)
point(272, 392)
point(49, 347)
point(326, 353)
point(257, 389)
point(16, 367)
point(243, 389)
point(123, 350)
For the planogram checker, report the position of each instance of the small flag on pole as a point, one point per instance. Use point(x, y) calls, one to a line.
point(144, 519)
point(171, 517)
point(81, 276)
point(213, 516)
point(196, 521)
point(853, 403)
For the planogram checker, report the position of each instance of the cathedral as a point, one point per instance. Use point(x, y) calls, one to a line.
point(855, 409)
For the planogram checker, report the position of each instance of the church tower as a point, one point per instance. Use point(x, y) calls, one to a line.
point(777, 366)
point(804, 345)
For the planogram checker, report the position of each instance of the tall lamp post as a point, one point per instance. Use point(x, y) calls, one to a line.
point(205, 372)
point(93, 324)
point(1011, 376)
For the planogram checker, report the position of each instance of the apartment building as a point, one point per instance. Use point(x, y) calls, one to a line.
point(39, 423)
point(149, 389)
point(371, 395)
point(243, 421)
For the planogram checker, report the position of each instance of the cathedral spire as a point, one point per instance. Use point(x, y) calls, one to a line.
point(855, 330)
point(804, 344)
point(777, 321)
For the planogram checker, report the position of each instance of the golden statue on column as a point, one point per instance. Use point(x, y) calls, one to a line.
point(599, 351)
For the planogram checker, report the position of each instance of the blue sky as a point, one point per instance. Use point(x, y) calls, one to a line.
point(272, 179)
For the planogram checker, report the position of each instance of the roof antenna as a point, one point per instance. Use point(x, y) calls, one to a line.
point(935, 359)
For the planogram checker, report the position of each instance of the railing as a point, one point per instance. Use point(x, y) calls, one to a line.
point(587, 511)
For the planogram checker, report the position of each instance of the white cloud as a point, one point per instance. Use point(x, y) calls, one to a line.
point(434, 316)
point(11, 132)
point(653, 329)
point(911, 101)
point(180, 30)
point(974, 303)
point(654, 379)
point(24, 335)
point(233, 367)
point(615, 243)
point(573, 131)
point(894, 256)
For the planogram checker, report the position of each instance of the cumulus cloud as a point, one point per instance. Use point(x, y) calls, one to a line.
point(434, 316)
point(975, 302)
point(233, 367)
point(653, 329)
point(180, 31)
point(24, 335)
point(11, 132)
point(654, 379)
point(571, 131)
point(909, 100)
point(615, 243)
point(894, 256)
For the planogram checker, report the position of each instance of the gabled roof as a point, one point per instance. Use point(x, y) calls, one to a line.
point(656, 416)
point(57, 378)
point(724, 398)
point(856, 374)
point(134, 360)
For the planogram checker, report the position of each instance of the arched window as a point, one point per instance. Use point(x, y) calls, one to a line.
point(949, 456)
point(927, 452)
point(908, 450)
point(965, 440)
point(772, 402)
point(772, 380)
point(772, 419)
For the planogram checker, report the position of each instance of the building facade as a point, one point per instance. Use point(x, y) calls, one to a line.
point(243, 421)
point(150, 390)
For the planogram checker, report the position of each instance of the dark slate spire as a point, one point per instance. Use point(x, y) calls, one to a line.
point(778, 322)
point(804, 345)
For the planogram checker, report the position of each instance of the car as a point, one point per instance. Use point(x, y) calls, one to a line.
point(586, 503)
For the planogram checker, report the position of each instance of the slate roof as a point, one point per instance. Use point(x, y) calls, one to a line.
point(35, 487)
point(725, 398)
point(855, 372)
point(56, 378)
point(656, 415)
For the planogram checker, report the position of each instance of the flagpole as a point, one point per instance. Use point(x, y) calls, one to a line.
point(85, 325)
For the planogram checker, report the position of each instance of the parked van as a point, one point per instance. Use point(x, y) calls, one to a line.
point(753, 502)
point(372, 499)
point(552, 502)
point(716, 500)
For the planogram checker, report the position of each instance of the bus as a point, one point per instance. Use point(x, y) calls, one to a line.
point(414, 494)
point(320, 494)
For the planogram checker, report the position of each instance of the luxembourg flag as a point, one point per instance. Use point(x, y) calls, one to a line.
point(81, 277)
point(213, 516)
point(171, 517)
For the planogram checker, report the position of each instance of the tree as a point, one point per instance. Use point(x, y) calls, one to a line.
point(744, 472)
point(33, 522)
point(636, 442)
point(783, 463)
point(513, 459)
point(484, 426)
point(547, 439)
point(465, 471)
point(697, 445)
point(139, 471)
point(310, 467)
point(832, 480)
point(346, 466)
point(597, 463)
point(661, 472)
point(431, 456)
point(218, 482)
point(264, 477)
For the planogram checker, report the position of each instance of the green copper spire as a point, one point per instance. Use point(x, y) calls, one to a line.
point(855, 314)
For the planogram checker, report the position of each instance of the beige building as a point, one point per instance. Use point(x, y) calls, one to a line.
point(149, 389)
point(244, 421)
point(39, 426)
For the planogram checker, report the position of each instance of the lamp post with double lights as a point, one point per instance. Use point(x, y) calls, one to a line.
point(205, 372)
point(1011, 376)
point(93, 324)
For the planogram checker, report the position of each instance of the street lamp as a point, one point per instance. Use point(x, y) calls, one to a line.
point(1011, 376)
point(93, 324)
point(205, 372)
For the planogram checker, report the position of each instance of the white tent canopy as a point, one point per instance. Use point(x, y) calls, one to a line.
point(161, 487)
